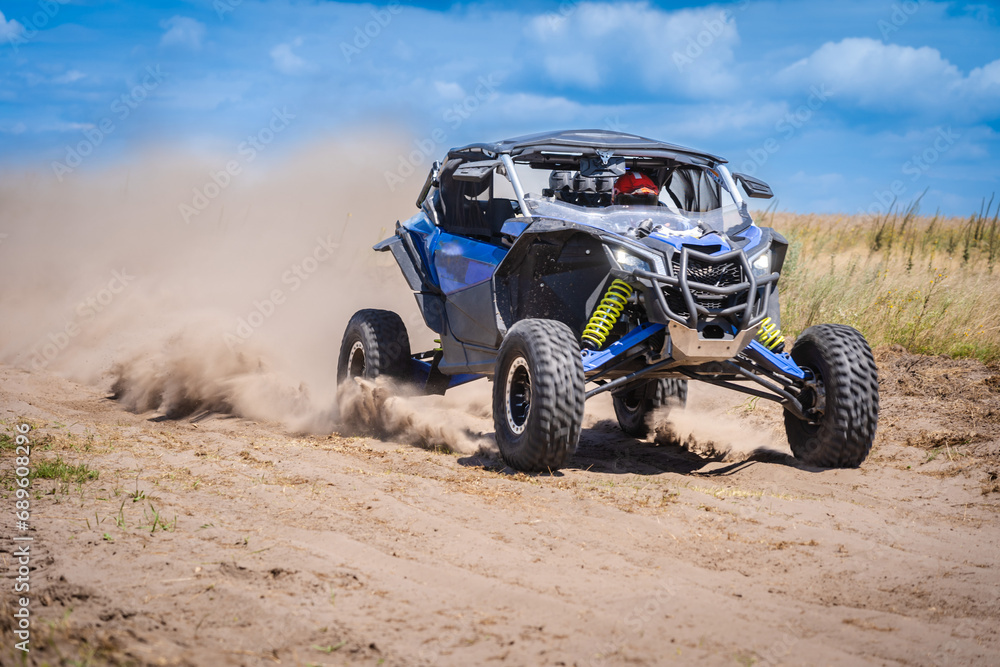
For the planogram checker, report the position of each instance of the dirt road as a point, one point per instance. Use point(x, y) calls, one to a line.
point(214, 540)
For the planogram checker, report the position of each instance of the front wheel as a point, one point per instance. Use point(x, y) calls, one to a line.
point(842, 398)
point(538, 395)
point(633, 405)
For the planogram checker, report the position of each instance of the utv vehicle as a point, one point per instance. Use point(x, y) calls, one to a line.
point(533, 276)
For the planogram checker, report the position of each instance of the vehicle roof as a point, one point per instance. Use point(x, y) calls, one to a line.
point(586, 142)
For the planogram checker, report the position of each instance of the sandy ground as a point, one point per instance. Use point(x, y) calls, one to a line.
point(209, 538)
point(215, 540)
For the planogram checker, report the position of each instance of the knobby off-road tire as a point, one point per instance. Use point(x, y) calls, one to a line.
point(840, 358)
point(538, 395)
point(634, 405)
point(375, 343)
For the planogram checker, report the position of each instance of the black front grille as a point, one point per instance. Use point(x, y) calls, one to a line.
point(716, 274)
point(676, 302)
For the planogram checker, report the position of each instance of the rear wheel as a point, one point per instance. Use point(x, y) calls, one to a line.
point(842, 398)
point(538, 395)
point(375, 343)
point(633, 405)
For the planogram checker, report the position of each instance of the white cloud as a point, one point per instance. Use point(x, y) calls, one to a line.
point(402, 50)
point(182, 31)
point(285, 59)
point(597, 45)
point(9, 28)
point(578, 69)
point(985, 80)
point(62, 126)
point(519, 107)
point(705, 121)
point(889, 77)
point(449, 90)
point(69, 77)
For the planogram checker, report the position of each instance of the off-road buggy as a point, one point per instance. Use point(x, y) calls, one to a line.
point(532, 276)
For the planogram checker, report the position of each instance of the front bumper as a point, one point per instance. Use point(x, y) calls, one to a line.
point(717, 296)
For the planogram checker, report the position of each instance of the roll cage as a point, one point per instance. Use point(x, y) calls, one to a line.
point(462, 195)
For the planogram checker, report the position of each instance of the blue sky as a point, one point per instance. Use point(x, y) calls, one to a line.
point(835, 104)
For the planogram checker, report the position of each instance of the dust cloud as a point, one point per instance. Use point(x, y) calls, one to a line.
point(458, 421)
point(718, 423)
point(180, 290)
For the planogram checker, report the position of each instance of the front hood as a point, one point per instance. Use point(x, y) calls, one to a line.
point(709, 242)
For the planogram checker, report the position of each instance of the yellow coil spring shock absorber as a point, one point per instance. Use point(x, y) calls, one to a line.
point(608, 311)
point(769, 334)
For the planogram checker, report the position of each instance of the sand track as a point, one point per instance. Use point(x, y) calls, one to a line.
point(333, 550)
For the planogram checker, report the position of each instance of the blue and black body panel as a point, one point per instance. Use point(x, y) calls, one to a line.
point(471, 291)
point(452, 276)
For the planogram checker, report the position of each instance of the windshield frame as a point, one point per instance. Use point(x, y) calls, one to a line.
point(512, 172)
point(668, 219)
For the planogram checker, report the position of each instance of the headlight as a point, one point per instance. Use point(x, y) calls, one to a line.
point(762, 265)
point(630, 262)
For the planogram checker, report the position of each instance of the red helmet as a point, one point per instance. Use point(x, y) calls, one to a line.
point(634, 187)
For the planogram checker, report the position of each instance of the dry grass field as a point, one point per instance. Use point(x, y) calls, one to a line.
point(927, 283)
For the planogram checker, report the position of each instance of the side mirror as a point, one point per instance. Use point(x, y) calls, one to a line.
point(431, 182)
point(754, 187)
